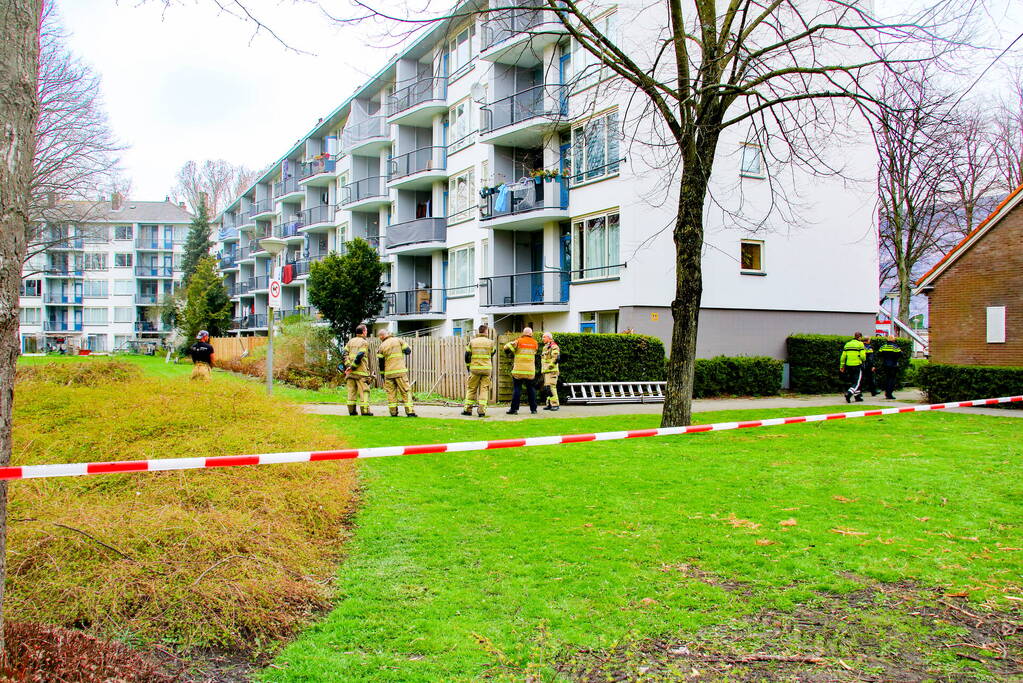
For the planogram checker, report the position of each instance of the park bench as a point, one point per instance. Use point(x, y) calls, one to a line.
point(615, 392)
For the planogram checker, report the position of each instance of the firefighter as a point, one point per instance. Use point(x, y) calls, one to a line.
point(549, 357)
point(478, 354)
point(890, 357)
point(523, 350)
point(391, 356)
point(851, 366)
point(355, 364)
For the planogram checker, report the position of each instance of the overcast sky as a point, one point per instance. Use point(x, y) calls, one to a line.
point(189, 82)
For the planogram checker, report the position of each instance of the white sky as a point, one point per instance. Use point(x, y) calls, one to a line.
point(189, 82)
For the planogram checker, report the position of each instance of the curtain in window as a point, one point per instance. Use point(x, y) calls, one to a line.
point(595, 147)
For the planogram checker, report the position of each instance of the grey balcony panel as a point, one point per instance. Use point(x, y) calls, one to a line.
point(417, 231)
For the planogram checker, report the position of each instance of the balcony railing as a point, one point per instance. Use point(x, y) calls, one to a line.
point(316, 167)
point(225, 234)
point(228, 261)
point(286, 187)
point(63, 242)
point(502, 25)
point(530, 194)
point(415, 302)
point(151, 326)
point(251, 321)
point(61, 326)
point(424, 90)
point(422, 159)
point(154, 243)
point(62, 299)
point(147, 299)
point(68, 271)
point(367, 129)
point(263, 206)
point(255, 247)
point(416, 231)
point(324, 213)
point(238, 288)
point(546, 101)
point(289, 229)
point(300, 267)
point(532, 288)
point(154, 271)
point(367, 188)
point(259, 282)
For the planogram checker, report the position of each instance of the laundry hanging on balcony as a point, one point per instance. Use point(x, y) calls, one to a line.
point(287, 274)
point(501, 204)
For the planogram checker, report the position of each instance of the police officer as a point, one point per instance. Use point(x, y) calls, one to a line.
point(478, 354)
point(355, 363)
point(391, 357)
point(869, 366)
point(890, 357)
point(549, 357)
point(851, 366)
point(523, 350)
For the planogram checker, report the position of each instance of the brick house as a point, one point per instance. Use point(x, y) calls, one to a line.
point(975, 293)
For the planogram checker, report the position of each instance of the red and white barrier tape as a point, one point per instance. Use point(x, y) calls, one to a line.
point(165, 464)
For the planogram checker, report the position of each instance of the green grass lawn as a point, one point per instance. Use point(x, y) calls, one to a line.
point(504, 564)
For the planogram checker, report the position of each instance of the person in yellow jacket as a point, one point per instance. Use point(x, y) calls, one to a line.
point(850, 364)
point(391, 357)
point(478, 354)
point(355, 364)
point(523, 351)
point(550, 354)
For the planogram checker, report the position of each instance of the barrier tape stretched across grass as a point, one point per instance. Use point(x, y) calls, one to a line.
point(165, 464)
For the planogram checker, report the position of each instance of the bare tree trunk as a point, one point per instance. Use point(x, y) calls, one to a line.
point(19, 73)
point(905, 292)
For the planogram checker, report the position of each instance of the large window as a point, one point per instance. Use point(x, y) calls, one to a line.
point(30, 316)
point(31, 288)
point(461, 196)
point(121, 341)
point(460, 50)
point(94, 316)
point(95, 261)
point(97, 288)
point(96, 234)
point(583, 69)
point(96, 342)
point(595, 149)
point(122, 260)
point(604, 322)
point(459, 130)
point(122, 287)
point(595, 247)
point(122, 232)
point(124, 314)
point(462, 271)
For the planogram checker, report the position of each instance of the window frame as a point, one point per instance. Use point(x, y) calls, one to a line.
point(127, 258)
point(105, 287)
point(130, 232)
point(744, 171)
point(611, 269)
point(38, 288)
point(130, 287)
point(38, 316)
point(105, 317)
point(130, 314)
point(465, 138)
point(579, 149)
point(752, 271)
point(456, 213)
point(457, 289)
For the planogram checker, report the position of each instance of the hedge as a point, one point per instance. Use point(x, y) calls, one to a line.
point(610, 357)
point(737, 376)
point(813, 361)
point(943, 383)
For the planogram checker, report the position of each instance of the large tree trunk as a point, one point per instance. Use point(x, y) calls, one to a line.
point(905, 292)
point(19, 73)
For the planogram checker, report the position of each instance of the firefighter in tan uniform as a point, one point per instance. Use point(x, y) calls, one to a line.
point(355, 363)
point(523, 352)
point(478, 354)
point(391, 356)
point(549, 356)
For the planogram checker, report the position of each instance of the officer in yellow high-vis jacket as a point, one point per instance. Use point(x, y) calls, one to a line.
point(550, 354)
point(851, 366)
point(478, 354)
point(391, 357)
point(355, 363)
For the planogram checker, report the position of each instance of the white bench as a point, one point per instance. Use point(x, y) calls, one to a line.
point(615, 392)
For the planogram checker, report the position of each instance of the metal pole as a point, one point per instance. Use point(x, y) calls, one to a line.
point(270, 352)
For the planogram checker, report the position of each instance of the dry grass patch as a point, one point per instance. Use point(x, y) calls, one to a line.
point(234, 558)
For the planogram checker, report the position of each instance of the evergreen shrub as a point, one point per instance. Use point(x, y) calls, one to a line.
point(813, 361)
point(942, 383)
point(737, 376)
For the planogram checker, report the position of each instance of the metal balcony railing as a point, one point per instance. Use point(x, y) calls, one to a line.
point(541, 101)
point(228, 261)
point(154, 271)
point(266, 205)
point(529, 194)
point(251, 321)
point(61, 326)
point(416, 231)
point(259, 282)
point(415, 302)
point(286, 186)
point(225, 234)
point(314, 215)
point(301, 267)
point(289, 229)
point(423, 90)
point(151, 326)
point(62, 299)
point(316, 167)
point(361, 131)
point(502, 25)
point(255, 247)
point(238, 289)
point(533, 288)
point(367, 188)
point(147, 299)
point(422, 159)
point(154, 243)
point(65, 270)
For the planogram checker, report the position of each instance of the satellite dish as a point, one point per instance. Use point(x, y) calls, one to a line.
point(478, 91)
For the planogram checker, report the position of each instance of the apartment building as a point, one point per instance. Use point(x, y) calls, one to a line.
point(503, 178)
point(99, 274)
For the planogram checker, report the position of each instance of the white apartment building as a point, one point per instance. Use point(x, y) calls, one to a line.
point(502, 178)
point(99, 281)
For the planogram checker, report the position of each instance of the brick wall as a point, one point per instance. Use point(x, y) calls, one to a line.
point(990, 273)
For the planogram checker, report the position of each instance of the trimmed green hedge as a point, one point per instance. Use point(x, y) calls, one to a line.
point(813, 361)
point(943, 383)
point(610, 357)
point(737, 376)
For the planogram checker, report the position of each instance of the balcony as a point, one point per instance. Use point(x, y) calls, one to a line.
point(63, 270)
point(68, 299)
point(147, 299)
point(259, 283)
point(366, 137)
point(525, 292)
point(227, 234)
point(154, 271)
point(526, 205)
point(418, 170)
point(420, 235)
point(521, 120)
point(251, 321)
point(238, 289)
point(424, 303)
point(417, 104)
point(318, 218)
point(519, 36)
point(153, 244)
point(245, 254)
point(300, 267)
point(288, 189)
point(151, 326)
point(61, 326)
point(65, 243)
point(368, 194)
point(228, 262)
point(317, 173)
point(288, 230)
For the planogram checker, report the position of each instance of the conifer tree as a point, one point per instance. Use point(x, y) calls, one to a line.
point(198, 244)
point(207, 304)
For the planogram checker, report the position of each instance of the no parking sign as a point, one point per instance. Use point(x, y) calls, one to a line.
point(275, 294)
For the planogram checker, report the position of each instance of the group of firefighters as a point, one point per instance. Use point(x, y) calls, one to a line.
point(479, 351)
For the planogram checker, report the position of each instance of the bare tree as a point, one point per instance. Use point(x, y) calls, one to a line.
point(971, 179)
point(1008, 145)
point(218, 179)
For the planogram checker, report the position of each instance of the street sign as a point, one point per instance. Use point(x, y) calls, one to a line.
point(275, 294)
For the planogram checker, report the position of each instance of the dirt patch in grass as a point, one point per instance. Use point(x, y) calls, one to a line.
point(234, 558)
point(883, 632)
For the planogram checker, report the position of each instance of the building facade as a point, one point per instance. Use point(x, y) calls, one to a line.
point(99, 273)
point(503, 177)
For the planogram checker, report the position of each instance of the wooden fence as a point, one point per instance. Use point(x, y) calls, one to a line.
point(231, 348)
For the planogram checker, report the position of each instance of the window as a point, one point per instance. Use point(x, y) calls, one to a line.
point(177, 260)
point(96, 288)
point(595, 149)
point(595, 247)
point(94, 316)
point(485, 258)
point(460, 51)
point(96, 342)
point(180, 234)
point(461, 196)
point(30, 316)
point(31, 288)
point(121, 342)
point(583, 69)
point(122, 232)
point(122, 287)
point(462, 327)
point(751, 257)
point(459, 135)
point(96, 234)
point(122, 260)
point(124, 314)
point(996, 324)
point(95, 261)
point(604, 322)
point(462, 271)
point(752, 165)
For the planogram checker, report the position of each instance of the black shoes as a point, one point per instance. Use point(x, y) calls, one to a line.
point(467, 412)
point(513, 412)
